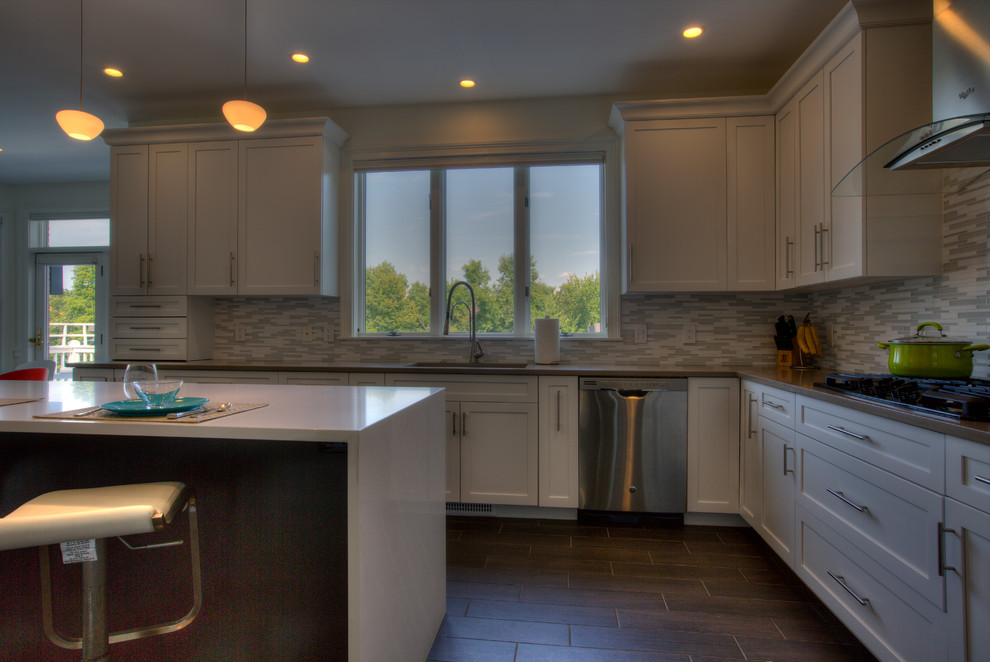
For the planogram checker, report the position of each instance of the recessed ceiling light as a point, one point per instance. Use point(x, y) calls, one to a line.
point(301, 58)
point(467, 82)
point(693, 32)
point(113, 73)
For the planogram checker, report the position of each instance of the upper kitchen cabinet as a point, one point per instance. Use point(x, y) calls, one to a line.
point(258, 214)
point(875, 85)
point(148, 219)
point(698, 203)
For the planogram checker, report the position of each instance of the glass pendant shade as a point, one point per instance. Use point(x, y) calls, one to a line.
point(244, 115)
point(78, 124)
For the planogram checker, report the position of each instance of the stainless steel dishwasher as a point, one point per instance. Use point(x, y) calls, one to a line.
point(632, 445)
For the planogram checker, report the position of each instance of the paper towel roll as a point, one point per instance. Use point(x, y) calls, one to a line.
point(546, 333)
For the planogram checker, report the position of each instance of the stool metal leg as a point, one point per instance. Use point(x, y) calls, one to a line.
point(95, 641)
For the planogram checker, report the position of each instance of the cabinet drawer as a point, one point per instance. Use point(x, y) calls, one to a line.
point(138, 306)
point(221, 376)
point(894, 521)
point(313, 378)
point(907, 451)
point(153, 349)
point(474, 388)
point(148, 327)
point(776, 405)
point(891, 626)
point(967, 472)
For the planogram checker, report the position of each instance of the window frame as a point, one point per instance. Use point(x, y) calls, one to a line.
point(603, 151)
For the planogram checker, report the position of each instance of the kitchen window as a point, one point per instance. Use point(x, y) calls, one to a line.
point(526, 233)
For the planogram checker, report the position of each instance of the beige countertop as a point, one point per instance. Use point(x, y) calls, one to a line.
point(796, 381)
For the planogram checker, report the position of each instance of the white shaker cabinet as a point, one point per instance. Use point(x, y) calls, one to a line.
point(750, 203)
point(148, 219)
point(713, 446)
point(675, 214)
point(966, 555)
point(281, 207)
point(212, 245)
point(492, 435)
point(558, 441)
point(750, 466)
point(811, 223)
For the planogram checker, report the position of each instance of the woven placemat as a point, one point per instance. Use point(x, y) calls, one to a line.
point(17, 401)
point(104, 415)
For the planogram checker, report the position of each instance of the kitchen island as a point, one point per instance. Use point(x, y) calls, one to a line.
point(321, 520)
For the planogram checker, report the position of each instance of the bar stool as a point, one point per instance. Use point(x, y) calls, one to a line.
point(85, 518)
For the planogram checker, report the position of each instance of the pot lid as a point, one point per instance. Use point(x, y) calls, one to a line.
point(929, 336)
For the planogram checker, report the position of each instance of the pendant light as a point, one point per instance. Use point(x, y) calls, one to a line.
point(241, 113)
point(76, 123)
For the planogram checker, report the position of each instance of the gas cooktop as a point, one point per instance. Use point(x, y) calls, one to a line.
point(959, 399)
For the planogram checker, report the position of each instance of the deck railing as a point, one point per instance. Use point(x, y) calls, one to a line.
point(70, 342)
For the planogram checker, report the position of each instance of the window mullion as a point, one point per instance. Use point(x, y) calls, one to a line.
point(438, 249)
point(521, 252)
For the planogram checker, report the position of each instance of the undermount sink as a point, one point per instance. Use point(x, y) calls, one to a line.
point(464, 364)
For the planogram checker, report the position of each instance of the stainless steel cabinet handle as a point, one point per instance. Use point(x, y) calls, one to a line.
point(453, 416)
point(141, 270)
point(558, 410)
point(822, 235)
point(788, 245)
point(232, 279)
point(463, 423)
point(772, 405)
point(145, 328)
point(842, 582)
point(818, 263)
point(786, 470)
point(848, 433)
point(981, 479)
point(149, 269)
point(842, 497)
point(941, 550)
point(752, 417)
point(316, 268)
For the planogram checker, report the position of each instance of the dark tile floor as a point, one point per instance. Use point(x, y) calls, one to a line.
point(596, 590)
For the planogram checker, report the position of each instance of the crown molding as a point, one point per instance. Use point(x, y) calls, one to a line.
point(176, 133)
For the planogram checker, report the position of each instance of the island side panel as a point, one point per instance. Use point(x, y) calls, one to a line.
point(272, 521)
point(397, 535)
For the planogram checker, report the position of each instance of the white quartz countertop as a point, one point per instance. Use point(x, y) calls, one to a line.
point(299, 413)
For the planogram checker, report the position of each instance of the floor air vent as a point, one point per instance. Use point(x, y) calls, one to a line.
point(471, 508)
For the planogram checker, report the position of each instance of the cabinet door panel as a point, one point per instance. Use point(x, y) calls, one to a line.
point(128, 218)
point(212, 218)
point(281, 212)
point(558, 442)
point(713, 446)
point(787, 195)
point(750, 207)
point(499, 453)
point(812, 202)
point(675, 196)
point(167, 209)
point(967, 586)
point(452, 427)
point(750, 470)
point(778, 459)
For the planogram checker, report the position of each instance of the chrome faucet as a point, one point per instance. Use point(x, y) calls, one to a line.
point(476, 351)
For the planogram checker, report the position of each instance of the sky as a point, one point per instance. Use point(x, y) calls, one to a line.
point(564, 219)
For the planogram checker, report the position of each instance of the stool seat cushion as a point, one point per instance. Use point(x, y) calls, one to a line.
point(99, 512)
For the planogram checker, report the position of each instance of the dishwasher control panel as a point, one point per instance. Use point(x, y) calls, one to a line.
point(632, 384)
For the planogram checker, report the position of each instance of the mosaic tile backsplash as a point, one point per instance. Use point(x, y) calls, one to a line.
point(732, 329)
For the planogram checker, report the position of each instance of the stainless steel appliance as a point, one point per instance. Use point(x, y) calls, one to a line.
point(632, 445)
point(959, 399)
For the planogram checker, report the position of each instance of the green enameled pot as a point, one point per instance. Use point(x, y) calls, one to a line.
point(931, 356)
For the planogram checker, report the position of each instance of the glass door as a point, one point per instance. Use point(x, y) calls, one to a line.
point(70, 313)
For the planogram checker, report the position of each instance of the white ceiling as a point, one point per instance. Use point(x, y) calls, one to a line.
point(184, 58)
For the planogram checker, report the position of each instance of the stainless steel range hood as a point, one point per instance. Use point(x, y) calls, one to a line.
point(959, 136)
point(960, 142)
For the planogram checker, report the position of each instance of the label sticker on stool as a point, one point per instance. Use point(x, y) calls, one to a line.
point(77, 551)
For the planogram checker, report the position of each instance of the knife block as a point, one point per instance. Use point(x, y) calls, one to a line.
point(787, 358)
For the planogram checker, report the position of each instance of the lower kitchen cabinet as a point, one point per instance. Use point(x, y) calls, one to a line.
point(750, 465)
point(492, 435)
point(558, 442)
point(713, 446)
point(220, 376)
point(778, 460)
point(966, 543)
point(499, 453)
